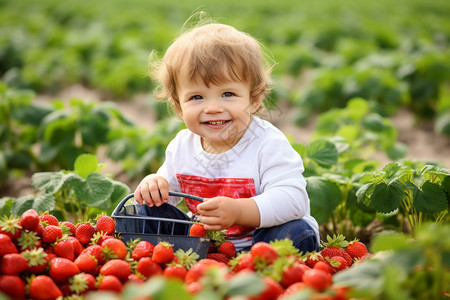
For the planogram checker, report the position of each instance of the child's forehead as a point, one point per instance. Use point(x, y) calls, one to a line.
point(212, 76)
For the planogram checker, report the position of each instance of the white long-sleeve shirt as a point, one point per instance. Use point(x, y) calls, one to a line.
point(262, 165)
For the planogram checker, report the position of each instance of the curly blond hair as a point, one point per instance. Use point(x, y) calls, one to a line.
point(217, 53)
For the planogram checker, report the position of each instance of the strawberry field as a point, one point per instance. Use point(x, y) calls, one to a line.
point(79, 128)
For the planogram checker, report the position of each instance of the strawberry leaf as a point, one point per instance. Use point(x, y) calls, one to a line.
point(85, 164)
point(50, 182)
point(324, 195)
point(245, 284)
point(430, 198)
point(387, 197)
point(323, 152)
point(95, 190)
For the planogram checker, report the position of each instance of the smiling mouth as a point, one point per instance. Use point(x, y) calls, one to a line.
point(216, 122)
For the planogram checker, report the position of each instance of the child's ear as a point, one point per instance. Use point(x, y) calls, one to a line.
point(257, 102)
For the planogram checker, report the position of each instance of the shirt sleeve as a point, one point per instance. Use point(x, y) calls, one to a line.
point(283, 195)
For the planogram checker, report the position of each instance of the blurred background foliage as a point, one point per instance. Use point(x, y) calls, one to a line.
point(352, 64)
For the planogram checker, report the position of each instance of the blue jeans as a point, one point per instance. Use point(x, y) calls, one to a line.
point(302, 235)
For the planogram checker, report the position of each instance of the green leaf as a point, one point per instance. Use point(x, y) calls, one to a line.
point(366, 277)
point(430, 198)
point(323, 153)
point(324, 196)
point(85, 164)
point(245, 285)
point(6, 204)
point(94, 191)
point(50, 182)
point(387, 197)
point(120, 190)
point(442, 123)
point(44, 202)
point(389, 241)
point(22, 204)
point(397, 151)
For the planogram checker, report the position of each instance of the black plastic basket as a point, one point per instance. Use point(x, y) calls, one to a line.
point(130, 225)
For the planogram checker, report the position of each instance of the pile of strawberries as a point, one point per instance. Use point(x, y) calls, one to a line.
point(219, 249)
point(42, 258)
point(282, 268)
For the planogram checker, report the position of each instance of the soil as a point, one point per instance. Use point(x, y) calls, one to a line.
point(423, 143)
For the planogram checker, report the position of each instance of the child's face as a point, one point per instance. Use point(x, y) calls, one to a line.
point(220, 114)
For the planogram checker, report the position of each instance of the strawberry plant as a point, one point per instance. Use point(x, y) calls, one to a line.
point(413, 194)
point(20, 119)
point(363, 131)
point(404, 268)
point(79, 194)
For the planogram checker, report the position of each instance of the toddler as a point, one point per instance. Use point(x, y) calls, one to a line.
point(216, 78)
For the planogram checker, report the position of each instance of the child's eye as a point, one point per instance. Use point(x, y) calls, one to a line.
point(228, 94)
point(196, 97)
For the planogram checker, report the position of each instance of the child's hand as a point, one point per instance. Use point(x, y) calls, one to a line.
point(152, 190)
point(219, 213)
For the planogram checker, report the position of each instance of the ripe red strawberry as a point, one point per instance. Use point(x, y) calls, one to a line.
point(324, 266)
point(106, 225)
point(110, 283)
point(49, 218)
point(142, 249)
point(177, 272)
point(135, 278)
point(62, 269)
point(116, 248)
point(12, 286)
point(243, 261)
point(273, 289)
point(356, 249)
point(51, 233)
point(194, 287)
point(99, 238)
point(227, 248)
point(96, 251)
point(335, 247)
point(264, 251)
point(197, 229)
point(317, 279)
point(365, 256)
point(87, 263)
point(331, 251)
point(70, 227)
point(77, 247)
point(147, 267)
point(11, 227)
point(7, 245)
point(294, 288)
point(13, 264)
point(162, 253)
point(38, 260)
point(84, 232)
point(293, 274)
point(82, 283)
point(219, 257)
point(312, 258)
point(65, 248)
point(212, 247)
point(28, 240)
point(117, 267)
point(43, 287)
point(29, 219)
point(339, 263)
point(199, 269)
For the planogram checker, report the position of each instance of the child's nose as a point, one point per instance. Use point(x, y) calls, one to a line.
point(213, 106)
